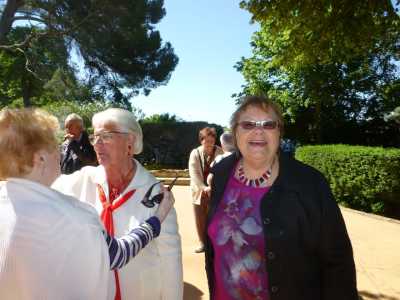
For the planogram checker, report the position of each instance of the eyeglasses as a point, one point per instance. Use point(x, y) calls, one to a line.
point(105, 136)
point(156, 199)
point(266, 124)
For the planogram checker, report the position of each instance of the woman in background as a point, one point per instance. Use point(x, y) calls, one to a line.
point(199, 167)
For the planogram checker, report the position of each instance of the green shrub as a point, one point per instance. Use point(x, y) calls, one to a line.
point(364, 178)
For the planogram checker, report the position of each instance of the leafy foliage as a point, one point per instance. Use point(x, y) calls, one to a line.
point(122, 51)
point(22, 77)
point(315, 32)
point(86, 110)
point(365, 178)
point(161, 119)
point(330, 64)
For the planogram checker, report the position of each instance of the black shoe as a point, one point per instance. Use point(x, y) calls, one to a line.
point(200, 249)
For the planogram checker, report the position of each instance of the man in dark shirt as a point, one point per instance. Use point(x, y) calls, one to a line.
point(76, 151)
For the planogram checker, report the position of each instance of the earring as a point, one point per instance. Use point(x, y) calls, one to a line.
point(43, 165)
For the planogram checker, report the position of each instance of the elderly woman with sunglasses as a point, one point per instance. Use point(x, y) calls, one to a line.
point(274, 230)
point(51, 245)
point(124, 195)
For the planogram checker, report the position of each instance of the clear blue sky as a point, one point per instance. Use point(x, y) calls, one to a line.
point(209, 37)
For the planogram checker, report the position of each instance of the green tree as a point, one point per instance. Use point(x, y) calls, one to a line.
point(323, 88)
point(162, 119)
point(309, 32)
point(86, 110)
point(24, 73)
point(63, 86)
point(122, 51)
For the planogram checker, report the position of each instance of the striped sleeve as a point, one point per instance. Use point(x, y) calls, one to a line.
point(122, 249)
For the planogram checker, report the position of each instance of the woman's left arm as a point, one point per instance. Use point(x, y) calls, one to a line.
point(338, 269)
point(122, 249)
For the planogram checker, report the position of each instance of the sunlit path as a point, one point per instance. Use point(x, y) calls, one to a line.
point(376, 247)
point(193, 263)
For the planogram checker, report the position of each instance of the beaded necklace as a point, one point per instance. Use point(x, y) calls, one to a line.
point(253, 182)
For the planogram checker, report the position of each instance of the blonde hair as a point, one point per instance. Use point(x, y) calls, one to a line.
point(23, 132)
point(125, 120)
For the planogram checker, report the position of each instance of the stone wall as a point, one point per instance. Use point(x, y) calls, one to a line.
point(169, 145)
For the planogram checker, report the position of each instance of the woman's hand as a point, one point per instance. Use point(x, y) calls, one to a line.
point(166, 204)
point(207, 191)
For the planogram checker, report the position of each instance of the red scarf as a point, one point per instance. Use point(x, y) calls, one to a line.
point(107, 218)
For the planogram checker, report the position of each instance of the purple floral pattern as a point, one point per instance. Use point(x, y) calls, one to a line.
point(237, 237)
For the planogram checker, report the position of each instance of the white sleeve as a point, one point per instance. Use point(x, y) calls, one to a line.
point(79, 184)
point(69, 184)
point(195, 172)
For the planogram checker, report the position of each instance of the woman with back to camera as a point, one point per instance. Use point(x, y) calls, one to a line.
point(274, 230)
point(52, 246)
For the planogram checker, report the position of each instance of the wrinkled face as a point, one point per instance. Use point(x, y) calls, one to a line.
point(74, 128)
point(113, 146)
point(259, 142)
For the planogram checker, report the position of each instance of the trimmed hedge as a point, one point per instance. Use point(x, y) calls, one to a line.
point(364, 178)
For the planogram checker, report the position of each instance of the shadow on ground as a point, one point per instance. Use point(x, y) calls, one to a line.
point(190, 292)
point(364, 295)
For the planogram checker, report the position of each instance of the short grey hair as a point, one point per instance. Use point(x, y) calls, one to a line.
point(125, 120)
point(226, 140)
point(73, 118)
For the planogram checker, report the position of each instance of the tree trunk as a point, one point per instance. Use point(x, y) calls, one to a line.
point(7, 16)
point(317, 123)
point(26, 92)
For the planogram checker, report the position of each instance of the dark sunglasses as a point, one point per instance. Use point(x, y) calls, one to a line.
point(156, 199)
point(250, 125)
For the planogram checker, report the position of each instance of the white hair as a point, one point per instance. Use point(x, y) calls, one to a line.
point(74, 118)
point(125, 120)
point(226, 140)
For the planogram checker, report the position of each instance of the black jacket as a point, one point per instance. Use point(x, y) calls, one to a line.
point(307, 248)
point(77, 154)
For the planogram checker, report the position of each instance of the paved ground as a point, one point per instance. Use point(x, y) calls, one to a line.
point(376, 244)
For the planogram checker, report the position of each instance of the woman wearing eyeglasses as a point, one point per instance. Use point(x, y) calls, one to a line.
point(118, 188)
point(274, 230)
point(51, 245)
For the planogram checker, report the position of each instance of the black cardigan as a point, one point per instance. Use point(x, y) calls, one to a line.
point(77, 154)
point(307, 248)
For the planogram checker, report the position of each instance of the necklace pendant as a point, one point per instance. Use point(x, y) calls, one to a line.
point(257, 182)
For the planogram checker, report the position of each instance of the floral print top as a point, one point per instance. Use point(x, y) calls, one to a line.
point(237, 238)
